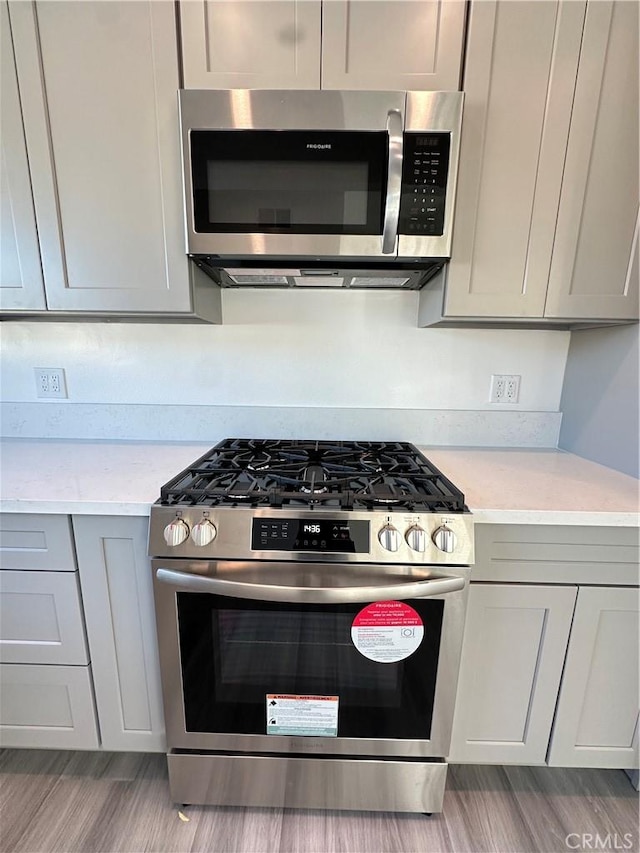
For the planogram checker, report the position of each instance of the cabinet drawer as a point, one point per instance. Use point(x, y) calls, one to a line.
point(47, 707)
point(41, 618)
point(36, 542)
point(541, 553)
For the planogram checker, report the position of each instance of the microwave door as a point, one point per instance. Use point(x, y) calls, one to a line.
point(297, 192)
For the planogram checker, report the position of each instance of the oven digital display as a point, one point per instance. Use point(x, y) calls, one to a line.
point(315, 535)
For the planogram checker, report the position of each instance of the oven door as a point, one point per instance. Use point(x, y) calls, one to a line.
point(236, 636)
point(289, 174)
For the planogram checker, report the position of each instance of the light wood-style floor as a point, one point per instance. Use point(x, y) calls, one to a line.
point(75, 801)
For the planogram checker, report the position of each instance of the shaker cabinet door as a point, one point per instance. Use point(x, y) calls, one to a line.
point(392, 44)
point(519, 79)
point(594, 272)
point(47, 707)
point(21, 283)
point(596, 721)
point(514, 646)
point(250, 44)
point(98, 85)
point(117, 591)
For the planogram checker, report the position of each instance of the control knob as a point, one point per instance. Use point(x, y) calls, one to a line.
point(444, 539)
point(203, 532)
point(416, 538)
point(176, 532)
point(389, 537)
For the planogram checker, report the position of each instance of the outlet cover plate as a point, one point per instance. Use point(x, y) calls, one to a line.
point(50, 382)
point(505, 388)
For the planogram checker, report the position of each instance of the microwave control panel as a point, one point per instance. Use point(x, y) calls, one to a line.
point(424, 183)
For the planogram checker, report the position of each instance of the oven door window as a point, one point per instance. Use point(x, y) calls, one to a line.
point(235, 651)
point(289, 182)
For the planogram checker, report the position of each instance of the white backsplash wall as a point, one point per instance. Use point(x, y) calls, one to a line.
point(286, 360)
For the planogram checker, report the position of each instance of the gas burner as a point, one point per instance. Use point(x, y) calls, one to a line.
point(259, 464)
point(314, 480)
point(236, 495)
point(386, 492)
point(371, 462)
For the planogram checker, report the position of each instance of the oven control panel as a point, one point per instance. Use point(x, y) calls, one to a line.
point(238, 533)
point(310, 535)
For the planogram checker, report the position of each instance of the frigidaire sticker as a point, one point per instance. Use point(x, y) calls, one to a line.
point(387, 631)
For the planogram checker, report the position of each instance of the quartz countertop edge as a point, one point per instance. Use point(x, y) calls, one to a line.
point(501, 486)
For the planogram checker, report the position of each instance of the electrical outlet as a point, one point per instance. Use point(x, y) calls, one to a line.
point(512, 388)
point(50, 382)
point(505, 388)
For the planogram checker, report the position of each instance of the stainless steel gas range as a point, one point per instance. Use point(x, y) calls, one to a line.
point(310, 602)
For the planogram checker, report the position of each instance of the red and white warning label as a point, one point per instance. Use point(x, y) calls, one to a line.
point(387, 631)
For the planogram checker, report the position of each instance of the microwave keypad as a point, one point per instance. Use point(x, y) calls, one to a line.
point(424, 183)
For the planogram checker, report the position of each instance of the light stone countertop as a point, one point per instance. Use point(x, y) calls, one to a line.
point(511, 486)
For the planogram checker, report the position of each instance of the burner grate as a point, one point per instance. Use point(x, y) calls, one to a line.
point(389, 476)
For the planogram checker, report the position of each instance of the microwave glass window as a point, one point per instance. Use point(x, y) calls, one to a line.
point(233, 652)
point(289, 182)
point(287, 193)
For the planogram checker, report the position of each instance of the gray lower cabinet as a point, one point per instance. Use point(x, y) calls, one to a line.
point(46, 691)
point(514, 647)
point(549, 667)
point(117, 592)
point(596, 723)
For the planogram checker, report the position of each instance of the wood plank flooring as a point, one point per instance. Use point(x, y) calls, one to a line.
point(89, 802)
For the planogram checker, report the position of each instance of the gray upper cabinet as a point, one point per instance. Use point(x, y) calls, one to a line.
point(322, 44)
point(98, 85)
point(369, 44)
point(21, 284)
point(250, 44)
point(547, 196)
point(594, 270)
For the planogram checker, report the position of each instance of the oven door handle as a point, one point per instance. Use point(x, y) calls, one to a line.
point(394, 182)
point(309, 595)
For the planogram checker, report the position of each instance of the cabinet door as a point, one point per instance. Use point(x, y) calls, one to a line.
point(519, 80)
point(98, 83)
point(596, 722)
point(514, 646)
point(392, 44)
point(21, 284)
point(594, 273)
point(117, 591)
point(250, 44)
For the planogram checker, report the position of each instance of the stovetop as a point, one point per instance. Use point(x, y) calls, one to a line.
point(329, 475)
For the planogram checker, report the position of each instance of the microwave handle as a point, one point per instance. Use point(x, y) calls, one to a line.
point(309, 595)
point(394, 182)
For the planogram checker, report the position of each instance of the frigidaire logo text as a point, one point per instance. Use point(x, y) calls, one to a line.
point(318, 145)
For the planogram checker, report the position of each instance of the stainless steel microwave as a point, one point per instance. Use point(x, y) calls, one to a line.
point(364, 176)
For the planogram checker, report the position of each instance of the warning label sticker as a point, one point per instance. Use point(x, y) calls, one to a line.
point(289, 714)
point(387, 631)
